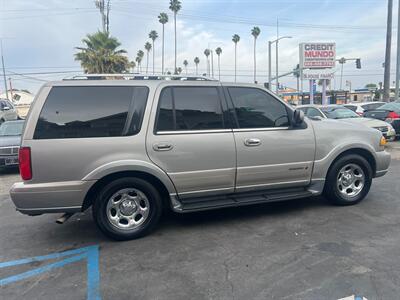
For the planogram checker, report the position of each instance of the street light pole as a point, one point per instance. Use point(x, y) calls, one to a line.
point(4, 70)
point(269, 65)
point(277, 61)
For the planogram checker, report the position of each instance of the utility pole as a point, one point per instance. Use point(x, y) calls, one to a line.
point(398, 57)
point(269, 65)
point(4, 69)
point(212, 64)
point(386, 81)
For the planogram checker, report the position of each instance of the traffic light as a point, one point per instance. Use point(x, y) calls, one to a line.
point(358, 63)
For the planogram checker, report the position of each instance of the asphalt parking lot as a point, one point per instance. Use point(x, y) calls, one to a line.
point(303, 249)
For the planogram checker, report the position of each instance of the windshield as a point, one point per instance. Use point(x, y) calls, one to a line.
point(395, 106)
point(11, 128)
point(339, 113)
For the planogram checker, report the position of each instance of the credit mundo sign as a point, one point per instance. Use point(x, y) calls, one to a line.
point(317, 55)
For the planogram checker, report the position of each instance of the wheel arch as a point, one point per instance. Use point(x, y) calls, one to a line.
point(364, 153)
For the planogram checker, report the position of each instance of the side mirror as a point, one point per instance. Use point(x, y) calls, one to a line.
point(298, 117)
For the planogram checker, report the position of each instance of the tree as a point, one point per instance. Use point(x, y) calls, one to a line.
point(179, 70)
point(196, 62)
point(163, 19)
point(175, 6)
point(235, 39)
point(185, 63)
point(255, 32)
point(371, 86)
point(139, 58)
point(101, 54)
point(207, 54)
point(147, 46)
point(219, 51)
point(153, 35)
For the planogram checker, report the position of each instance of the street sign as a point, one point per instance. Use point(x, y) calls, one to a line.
point(317, 55)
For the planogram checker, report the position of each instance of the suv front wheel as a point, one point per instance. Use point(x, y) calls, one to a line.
point(349, 180)
point(127, 208)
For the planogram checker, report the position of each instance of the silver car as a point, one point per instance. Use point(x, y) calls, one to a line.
point(7, 111)
point(338, 112)
point(134, 146)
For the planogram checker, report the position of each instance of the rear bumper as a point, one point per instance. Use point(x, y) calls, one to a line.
point(383, 159)
point(54, 197)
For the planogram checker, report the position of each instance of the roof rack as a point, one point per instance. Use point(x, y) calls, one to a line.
point(133, 76)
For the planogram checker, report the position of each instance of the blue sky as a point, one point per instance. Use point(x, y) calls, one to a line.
point(40, 36)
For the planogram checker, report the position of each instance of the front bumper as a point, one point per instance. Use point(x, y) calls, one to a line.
point(54, 197)
point(383, 159)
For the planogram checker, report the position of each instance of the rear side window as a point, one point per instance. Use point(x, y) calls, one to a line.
point(91, 111)
point(351, 107)
point(257, 109)
point(189, 108)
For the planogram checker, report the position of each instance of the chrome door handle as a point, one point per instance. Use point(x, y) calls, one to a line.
point(252, 142)
point(162, 147)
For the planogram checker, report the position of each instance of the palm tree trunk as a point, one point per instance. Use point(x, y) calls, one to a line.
point(235, 61)
point(255, 72)
point(197, 67)
point(162, 67)
point(219, 68)
point(175, 40)
point(147, 62)
point(153, 57)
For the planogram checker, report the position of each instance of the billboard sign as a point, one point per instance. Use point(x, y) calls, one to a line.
point(317, 55)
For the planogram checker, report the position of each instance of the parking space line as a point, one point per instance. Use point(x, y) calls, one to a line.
point(90, 254)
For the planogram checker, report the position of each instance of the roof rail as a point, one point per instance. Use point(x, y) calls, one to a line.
point(133, 76)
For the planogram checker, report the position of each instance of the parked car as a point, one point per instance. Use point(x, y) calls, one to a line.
point(389, 112)
point(132, 148)
point(339, 112)
point(360, 108)
point(7, 111)
point(10, 139)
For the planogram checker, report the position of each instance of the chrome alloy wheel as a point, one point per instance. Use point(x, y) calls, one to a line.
point(128, 209)
point(350, 181)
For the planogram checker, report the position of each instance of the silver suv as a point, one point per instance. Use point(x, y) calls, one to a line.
point(134, 146)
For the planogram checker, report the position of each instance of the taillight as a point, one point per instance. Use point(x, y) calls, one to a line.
point(25, 165)
point(393, 115)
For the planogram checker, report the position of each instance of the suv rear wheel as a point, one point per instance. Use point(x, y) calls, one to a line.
point(349, 180)
point(127, 208)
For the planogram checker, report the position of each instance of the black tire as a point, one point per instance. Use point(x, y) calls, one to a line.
point(332, 191)
point(99, 208)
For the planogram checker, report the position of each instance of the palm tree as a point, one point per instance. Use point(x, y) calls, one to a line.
point(179, 70)
point(153, 35)
point(235, 39)
point(255, 32)
point(196, 62)
point(207, 54)
point(175, 6)
point(139, 58)
point(163, 19)
point(185, 63)
point(101, 54)
point(133, 66)
point(147, 46)
point(219, 51)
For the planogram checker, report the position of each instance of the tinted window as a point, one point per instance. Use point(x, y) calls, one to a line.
point(313, 112)
point(391, 106)
point(257, 109)
point(82, 112)
point(351, 107)
point(189, 108)
point(371, 106)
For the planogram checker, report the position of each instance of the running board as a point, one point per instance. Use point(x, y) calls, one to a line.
point(239, 199)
